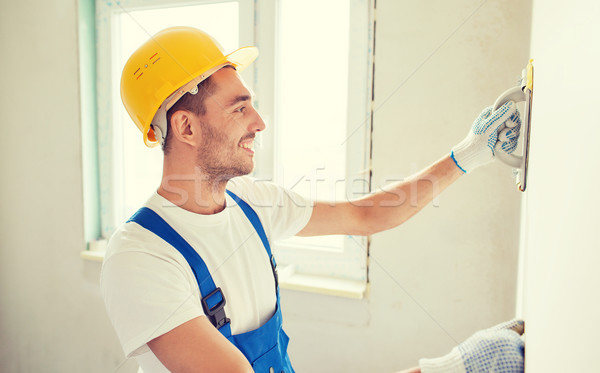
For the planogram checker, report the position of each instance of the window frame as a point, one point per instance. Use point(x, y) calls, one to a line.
point(352, 262)
point(258, 26)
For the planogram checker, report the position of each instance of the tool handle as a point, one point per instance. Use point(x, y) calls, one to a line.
point(515, 94)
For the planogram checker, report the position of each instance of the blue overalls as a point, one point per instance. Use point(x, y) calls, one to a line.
point(265, 347)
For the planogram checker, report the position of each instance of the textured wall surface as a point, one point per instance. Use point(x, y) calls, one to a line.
point(438, 278)
point(52, 318)
point(452, 269)
point(560, 213)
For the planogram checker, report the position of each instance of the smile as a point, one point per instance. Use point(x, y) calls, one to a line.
point(247, 145)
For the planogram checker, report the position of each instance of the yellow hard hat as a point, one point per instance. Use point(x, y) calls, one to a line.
point(168, 65)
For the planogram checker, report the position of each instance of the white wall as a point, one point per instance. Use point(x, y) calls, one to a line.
point(561, 252)
point(453, 266)
point(52, 318)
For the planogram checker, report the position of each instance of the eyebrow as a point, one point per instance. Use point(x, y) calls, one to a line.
point(237, 99)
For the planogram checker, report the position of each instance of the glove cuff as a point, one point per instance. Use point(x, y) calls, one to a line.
point(456, 162)
point(468, 158)
point(451, 363)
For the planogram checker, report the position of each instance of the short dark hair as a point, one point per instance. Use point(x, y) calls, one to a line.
point(192, 103)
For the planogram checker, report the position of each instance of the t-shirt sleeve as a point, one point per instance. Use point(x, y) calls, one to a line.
point(143, 305)
point(283, 212)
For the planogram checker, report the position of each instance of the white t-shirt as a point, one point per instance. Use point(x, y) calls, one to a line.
point(149, 288)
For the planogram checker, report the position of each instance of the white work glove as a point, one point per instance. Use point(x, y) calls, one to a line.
point(499, 349)
point(508, 135)
point(477, 148)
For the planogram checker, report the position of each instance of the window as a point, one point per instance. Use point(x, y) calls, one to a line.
point(313, 88)
point(129, 172)
point(319, 144)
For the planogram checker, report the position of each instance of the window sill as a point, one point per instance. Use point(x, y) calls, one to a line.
point(95, 250)
point(290, 280)
point(94, 256)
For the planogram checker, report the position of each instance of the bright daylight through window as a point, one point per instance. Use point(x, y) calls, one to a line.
point(322, 130)
point(313, 88)
point(312, 102)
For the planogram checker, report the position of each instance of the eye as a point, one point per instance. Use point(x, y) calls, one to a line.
point(241, 109)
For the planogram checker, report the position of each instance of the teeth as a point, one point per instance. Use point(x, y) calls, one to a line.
point(247, 145)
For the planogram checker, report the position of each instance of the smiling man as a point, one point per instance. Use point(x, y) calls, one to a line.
point(189, 282)
point(211, 134)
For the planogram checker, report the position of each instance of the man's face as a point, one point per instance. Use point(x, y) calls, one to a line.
point(228, 128)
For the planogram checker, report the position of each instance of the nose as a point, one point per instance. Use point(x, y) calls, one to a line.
point(257, 123)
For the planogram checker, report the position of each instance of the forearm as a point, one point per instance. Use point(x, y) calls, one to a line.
point(397, 202)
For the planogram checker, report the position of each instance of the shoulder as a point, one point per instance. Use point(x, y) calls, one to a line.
point(133, 249)
point(247, 186)
point(283, 212)
point(264, 193)
point(131, 237)
point(133, 259)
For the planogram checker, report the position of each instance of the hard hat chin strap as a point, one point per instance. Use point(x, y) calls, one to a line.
point(159, 122)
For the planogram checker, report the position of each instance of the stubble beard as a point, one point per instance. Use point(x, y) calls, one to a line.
point(217, 162)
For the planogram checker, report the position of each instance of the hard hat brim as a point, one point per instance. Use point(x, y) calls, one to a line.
point(242, 57)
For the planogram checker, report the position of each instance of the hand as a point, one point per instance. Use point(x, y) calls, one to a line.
point(508, 136)
point(477, 148)
point(499, 349)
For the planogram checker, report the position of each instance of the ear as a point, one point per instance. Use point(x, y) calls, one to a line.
point(183, 127)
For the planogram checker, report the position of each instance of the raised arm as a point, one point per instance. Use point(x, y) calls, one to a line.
point(396, 203)
point(385, 209)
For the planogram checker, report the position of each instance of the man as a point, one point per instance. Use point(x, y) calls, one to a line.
point(189, 282)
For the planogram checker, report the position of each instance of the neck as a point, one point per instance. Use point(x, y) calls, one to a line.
point(193, 190)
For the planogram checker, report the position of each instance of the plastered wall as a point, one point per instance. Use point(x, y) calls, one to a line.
point(52, 318)
point(560, 300)
point(452, 269)
point(448, 272)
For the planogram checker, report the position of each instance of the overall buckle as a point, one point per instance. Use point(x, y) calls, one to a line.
point(216, 313)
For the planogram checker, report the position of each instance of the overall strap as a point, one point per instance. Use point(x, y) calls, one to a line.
point(213, 300)
point(253, 217)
